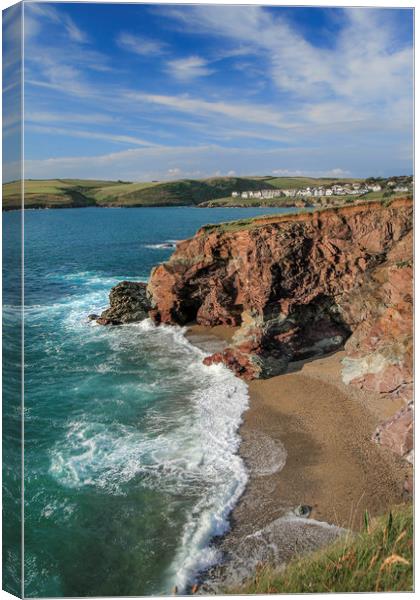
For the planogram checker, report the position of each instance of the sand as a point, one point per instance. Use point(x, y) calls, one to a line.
point(306, 439)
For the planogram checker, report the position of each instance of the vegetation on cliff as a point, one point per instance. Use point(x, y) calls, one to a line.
point(67, 193)
point(379, 559)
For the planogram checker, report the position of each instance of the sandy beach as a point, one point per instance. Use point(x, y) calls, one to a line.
point(306, 440)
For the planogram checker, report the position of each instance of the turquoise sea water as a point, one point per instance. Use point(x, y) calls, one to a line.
point(131, 462)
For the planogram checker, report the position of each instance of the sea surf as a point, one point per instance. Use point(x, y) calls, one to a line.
point(131, 463)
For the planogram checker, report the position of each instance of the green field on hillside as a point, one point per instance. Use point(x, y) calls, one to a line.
point(248, 202)
point(301, 182)
point(212, 192)
point(56, 193)
point(52, 193)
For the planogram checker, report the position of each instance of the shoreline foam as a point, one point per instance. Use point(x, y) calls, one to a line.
point(327, 460)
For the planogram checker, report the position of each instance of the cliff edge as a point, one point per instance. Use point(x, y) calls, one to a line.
point(300, 286)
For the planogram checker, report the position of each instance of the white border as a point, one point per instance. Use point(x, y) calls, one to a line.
point(319, 3)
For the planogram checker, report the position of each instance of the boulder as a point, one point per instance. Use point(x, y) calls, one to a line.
point(129, 303)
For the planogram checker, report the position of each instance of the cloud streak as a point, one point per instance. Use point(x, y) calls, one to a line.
point(186, 69)
point(236, 81)
point(140, 45)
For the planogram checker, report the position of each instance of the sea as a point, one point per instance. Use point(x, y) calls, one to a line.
point(131, 464)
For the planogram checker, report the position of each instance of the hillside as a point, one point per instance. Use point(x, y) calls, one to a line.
point(298, 182)
point(52, 193)
point(66, 193)
point(211, 192)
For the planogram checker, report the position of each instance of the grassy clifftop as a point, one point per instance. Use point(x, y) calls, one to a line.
point(52, 193)
point(380, 559)
point(66, 193)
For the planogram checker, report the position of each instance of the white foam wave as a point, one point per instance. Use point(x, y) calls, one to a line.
point(189, 450)
point(264, 455)
point(167, 245)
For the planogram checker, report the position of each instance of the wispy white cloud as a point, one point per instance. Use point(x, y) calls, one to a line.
point(337, 172)
point(364, 67)
point(253, 113)
point(110, 137)
point(145, 164)
point(186, 69)
point(348, 99)
point(140, 45)
point(47, 11)
point(63, 117)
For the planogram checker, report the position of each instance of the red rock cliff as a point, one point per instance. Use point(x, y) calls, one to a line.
point(299, 286)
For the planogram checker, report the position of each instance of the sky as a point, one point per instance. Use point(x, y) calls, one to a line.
point(149, 92)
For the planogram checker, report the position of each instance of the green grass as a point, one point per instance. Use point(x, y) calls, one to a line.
point(52, 193)
point(378, 559)
point(248, 202)
point(115, 192)
point(56, 193)
point(263, 220)
point(214, 191)
point(300, 182)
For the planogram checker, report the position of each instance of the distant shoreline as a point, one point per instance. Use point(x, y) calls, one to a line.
point(9, 209)
point(213, 192)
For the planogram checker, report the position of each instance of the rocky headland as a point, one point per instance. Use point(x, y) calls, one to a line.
point(300, 286)
point(315, 310)
point(297, 287)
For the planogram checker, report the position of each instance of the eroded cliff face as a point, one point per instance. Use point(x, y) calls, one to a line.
point(301, 286)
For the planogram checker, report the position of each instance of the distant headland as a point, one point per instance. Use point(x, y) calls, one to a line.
point(213, 192)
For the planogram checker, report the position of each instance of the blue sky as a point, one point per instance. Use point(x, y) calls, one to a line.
point(140, 92)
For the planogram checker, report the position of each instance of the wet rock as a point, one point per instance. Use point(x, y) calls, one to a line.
point(303, 510)
point(92, 317)
point(129, 303)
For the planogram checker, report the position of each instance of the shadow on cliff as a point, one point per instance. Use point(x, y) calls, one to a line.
point(296, 366)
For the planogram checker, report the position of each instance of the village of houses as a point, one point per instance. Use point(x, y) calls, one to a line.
point(325, 195)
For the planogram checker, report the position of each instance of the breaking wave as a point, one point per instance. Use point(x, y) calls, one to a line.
point(181, 438)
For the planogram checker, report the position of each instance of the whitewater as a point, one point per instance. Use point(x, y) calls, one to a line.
point(131, 443)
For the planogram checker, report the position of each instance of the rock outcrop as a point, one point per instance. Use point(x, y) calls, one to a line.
point(300, 286)
point(129, 302)
point(397, 432)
